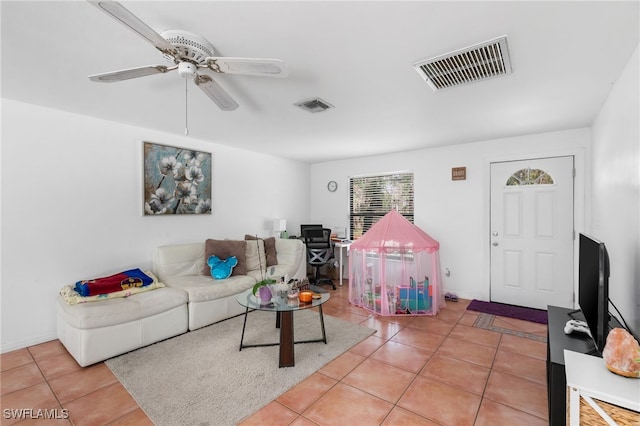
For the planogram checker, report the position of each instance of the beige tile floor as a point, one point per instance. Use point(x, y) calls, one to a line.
point(412, 371)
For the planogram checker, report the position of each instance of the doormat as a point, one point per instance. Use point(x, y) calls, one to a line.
point(511, 311)
point(485, 321)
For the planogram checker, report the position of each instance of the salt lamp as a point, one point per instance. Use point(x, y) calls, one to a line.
point(621, 353)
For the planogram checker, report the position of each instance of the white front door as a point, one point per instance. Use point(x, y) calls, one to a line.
point(532, 232)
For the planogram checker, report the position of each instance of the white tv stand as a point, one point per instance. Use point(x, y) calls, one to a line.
point(588, 377)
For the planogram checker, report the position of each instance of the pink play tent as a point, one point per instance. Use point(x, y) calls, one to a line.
point(394, 269)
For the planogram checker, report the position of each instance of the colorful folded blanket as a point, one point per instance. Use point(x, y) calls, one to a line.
point(72, 297)
point(121, 281)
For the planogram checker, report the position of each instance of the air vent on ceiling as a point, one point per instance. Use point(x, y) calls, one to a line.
point(314, 105)
point(475, 63)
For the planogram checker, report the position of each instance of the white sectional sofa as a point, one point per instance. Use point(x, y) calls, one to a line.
point(95, 331)
point(180, 266)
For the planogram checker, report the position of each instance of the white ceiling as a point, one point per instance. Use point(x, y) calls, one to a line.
point(356, 55)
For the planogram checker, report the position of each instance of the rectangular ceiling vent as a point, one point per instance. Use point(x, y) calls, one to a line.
point(475, 63)
point(314, 105)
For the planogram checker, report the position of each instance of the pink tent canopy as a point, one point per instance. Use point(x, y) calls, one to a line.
point(394, 269)
point(395, 233)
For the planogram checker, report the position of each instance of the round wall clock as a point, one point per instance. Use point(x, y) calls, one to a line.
point(332, 186)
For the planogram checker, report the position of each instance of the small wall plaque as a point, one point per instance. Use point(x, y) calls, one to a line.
point(459, 173)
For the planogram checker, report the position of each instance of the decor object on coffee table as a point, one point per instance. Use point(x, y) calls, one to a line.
point(263, 285)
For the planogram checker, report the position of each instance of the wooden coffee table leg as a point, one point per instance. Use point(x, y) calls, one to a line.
point(287, 358)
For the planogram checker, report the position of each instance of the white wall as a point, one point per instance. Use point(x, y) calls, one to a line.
point(456, 213)
point(72, 207)
point(71, 201)
point(616, 190)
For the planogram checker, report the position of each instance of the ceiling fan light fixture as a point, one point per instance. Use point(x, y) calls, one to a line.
point(191, 47)
point(187, 69)
point(314, 105)
point(188, 52)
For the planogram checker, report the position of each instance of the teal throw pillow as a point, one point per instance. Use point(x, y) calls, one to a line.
point(221, 268)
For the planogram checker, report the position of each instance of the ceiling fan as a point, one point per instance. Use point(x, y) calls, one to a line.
point(189, 53)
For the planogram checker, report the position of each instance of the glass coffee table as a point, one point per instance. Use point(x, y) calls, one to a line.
point(284, 320)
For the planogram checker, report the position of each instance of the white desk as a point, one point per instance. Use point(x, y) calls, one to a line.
point(588, 377)
point(340, 246)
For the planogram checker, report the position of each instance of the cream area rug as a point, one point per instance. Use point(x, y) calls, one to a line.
point(201, 378)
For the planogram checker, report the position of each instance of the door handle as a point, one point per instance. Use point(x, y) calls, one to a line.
point(495, 243)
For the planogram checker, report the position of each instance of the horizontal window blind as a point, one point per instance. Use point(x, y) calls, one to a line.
point(373, 196)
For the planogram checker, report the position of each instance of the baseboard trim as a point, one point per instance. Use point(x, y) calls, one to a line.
point(36, 340)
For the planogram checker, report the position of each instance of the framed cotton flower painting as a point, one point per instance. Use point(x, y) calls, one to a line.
point(176, 180)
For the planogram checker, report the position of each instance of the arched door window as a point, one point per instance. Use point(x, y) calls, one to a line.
point(530, 176)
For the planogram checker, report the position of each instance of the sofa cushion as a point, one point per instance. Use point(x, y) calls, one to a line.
point(201, 288)
point(291, 252)
point(256, 255)
point(269, 248)
point(179, 259)
point(225, 249)
point(121, 310)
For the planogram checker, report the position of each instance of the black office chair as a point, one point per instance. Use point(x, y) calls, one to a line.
point(319, 252)
point(304, 227)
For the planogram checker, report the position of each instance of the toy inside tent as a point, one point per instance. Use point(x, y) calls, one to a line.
point(394, 269)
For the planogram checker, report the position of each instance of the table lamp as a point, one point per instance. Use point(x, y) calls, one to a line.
point(280, 225)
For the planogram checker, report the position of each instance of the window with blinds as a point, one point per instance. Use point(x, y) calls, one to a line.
point(373, 196)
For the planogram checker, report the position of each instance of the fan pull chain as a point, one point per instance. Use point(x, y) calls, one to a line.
point(186, 103)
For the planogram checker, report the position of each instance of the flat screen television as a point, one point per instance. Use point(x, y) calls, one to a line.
point(593, 288)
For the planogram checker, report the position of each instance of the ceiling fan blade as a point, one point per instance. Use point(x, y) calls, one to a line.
point(125, 17)
point(248, 66)
point(214, 91)
point(110, 77)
